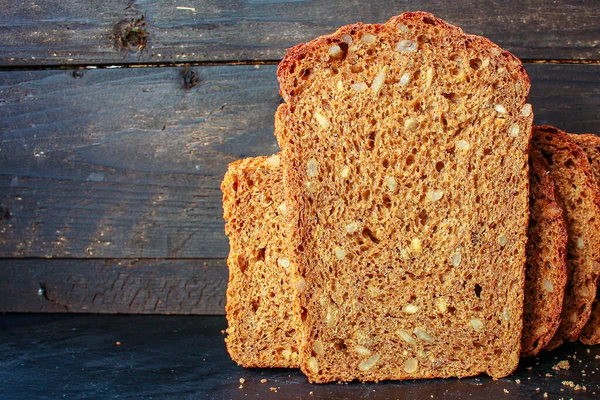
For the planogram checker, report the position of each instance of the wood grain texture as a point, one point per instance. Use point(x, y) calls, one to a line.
point(113, 286)
point(60, 32)
point(125, 163)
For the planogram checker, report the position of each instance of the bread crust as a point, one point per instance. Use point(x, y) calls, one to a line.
point(546, 259)
point(577, 191)
point(304, 50)
point(312, 232)
point(591, 146)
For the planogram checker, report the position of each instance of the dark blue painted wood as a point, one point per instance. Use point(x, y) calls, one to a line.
point(162, 357)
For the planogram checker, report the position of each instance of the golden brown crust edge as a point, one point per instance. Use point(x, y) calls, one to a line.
point(591, 146)
point(546, 260)
point(581, 285)
point(303, 50)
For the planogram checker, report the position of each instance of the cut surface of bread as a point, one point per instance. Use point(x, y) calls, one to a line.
point(546, 272)
point(591, 147)
point(404, 150)
point(577, 192)
point(261, 331)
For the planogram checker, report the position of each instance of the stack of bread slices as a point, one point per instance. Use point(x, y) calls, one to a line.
point(414, 224)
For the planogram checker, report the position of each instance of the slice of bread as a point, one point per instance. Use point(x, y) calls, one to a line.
point(546, 259)
point(591, 147)
point(261, 331)
point(546, 250)
point(404, 149)
point(577, 191)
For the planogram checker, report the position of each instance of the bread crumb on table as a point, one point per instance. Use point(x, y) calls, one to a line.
point(242, 380)
point(506, 391)
point(518, 381)
point(263, 381)
point(545, 394)
point(568, 383)
point(564, 364)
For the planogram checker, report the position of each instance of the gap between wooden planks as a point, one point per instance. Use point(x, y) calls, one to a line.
point(60, 32)
point(224, 63)
point(113, 286)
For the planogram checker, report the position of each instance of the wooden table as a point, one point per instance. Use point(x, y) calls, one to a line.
point(80, 357)
point(118, 119)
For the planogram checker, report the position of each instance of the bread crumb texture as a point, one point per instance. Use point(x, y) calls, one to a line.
point(261, 331)
point(404, 150)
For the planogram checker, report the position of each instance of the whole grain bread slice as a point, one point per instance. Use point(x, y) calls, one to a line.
point(546, 259)
point(261, 331)
point(591, 147)
point(404, 148)
point(546, 250)
point(577, 191)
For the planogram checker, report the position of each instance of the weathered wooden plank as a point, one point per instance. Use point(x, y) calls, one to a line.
point(62, 32)
point(87, 170)
point(567, 96)
point(125, 163)
point(113, 286)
